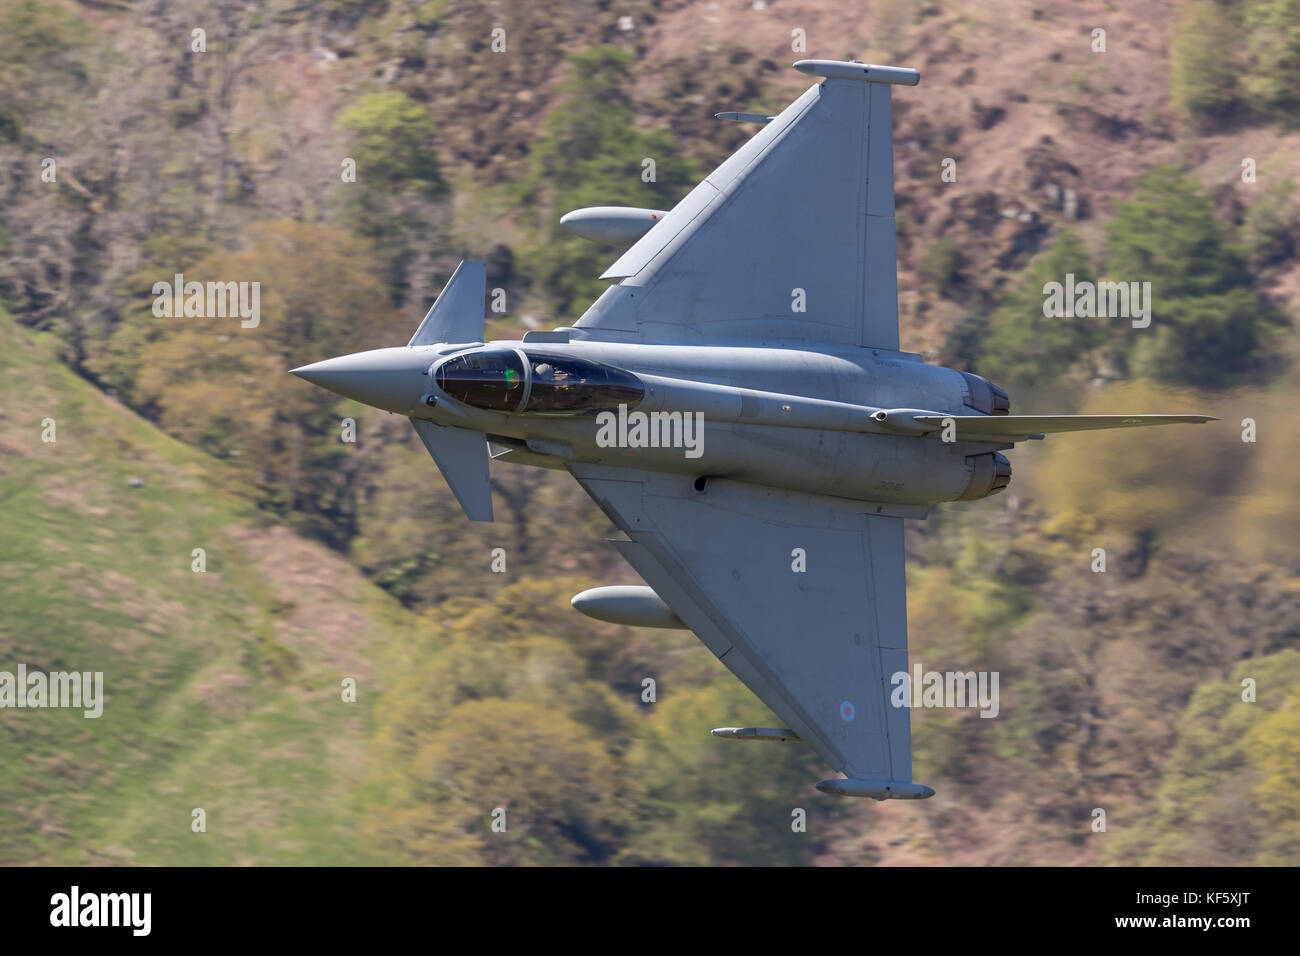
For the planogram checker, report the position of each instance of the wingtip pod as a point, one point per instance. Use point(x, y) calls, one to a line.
point(745, 117)
point(876, 789)
point(857, 70)
point(755, 733)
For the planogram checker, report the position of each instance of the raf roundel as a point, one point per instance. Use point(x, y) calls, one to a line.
point(847, 711)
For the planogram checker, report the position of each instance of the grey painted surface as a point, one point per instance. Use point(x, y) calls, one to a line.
point(628, 605)
point(801, 206)
point(806, 643)
point(818, 434)
point(611, 223)
point(457, 314)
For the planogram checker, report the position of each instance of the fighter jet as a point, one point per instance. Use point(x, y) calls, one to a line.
point(737, 404)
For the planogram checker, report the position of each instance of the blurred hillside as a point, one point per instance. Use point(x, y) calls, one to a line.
point(223, 689)
point(330, 559)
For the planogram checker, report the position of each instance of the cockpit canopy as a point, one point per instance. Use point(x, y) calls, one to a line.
point(491, 379)
point(500, 380)
point(561, 384)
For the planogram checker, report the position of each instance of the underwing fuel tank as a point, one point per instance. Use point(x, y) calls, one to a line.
point(628, 605)
point(622, 224)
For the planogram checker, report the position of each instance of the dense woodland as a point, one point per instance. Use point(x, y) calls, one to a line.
point(480, 689)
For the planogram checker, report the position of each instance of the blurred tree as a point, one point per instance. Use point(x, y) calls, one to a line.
point(1274, 56)
point(1205, 62)
point(393, 142)
point(1194, 819)
point(507, 704)
point(44, 50)
point(1209, 327)
point(709, 801)
point(396, 198)
point(1124, 476)
point(944, 267)
point(591, 153)
point(1167, 234)
point(555, 783)
point(227, 389)
point(1265, 522)
point(47, 59)
point(1274, 747)
point(116, 363)
point(1025, 349)
point(1271, 229)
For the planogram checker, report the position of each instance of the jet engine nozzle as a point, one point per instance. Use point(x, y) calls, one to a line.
point(983, 396)
point(990, 473)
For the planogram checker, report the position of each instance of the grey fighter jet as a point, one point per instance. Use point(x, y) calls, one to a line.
point(737, 404)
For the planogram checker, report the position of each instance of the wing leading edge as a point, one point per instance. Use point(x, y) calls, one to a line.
point(817, 646)
point(790, 239)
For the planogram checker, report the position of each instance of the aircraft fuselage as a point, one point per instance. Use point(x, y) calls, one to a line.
point(789, 417)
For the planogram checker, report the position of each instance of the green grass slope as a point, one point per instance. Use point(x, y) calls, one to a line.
point(222, 689)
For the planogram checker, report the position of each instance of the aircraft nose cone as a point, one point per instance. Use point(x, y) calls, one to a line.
point(379, 378)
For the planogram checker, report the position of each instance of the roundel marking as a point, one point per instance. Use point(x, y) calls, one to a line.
point(847, 711)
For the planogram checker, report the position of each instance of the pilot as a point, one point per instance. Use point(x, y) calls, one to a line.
point(548, 374)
